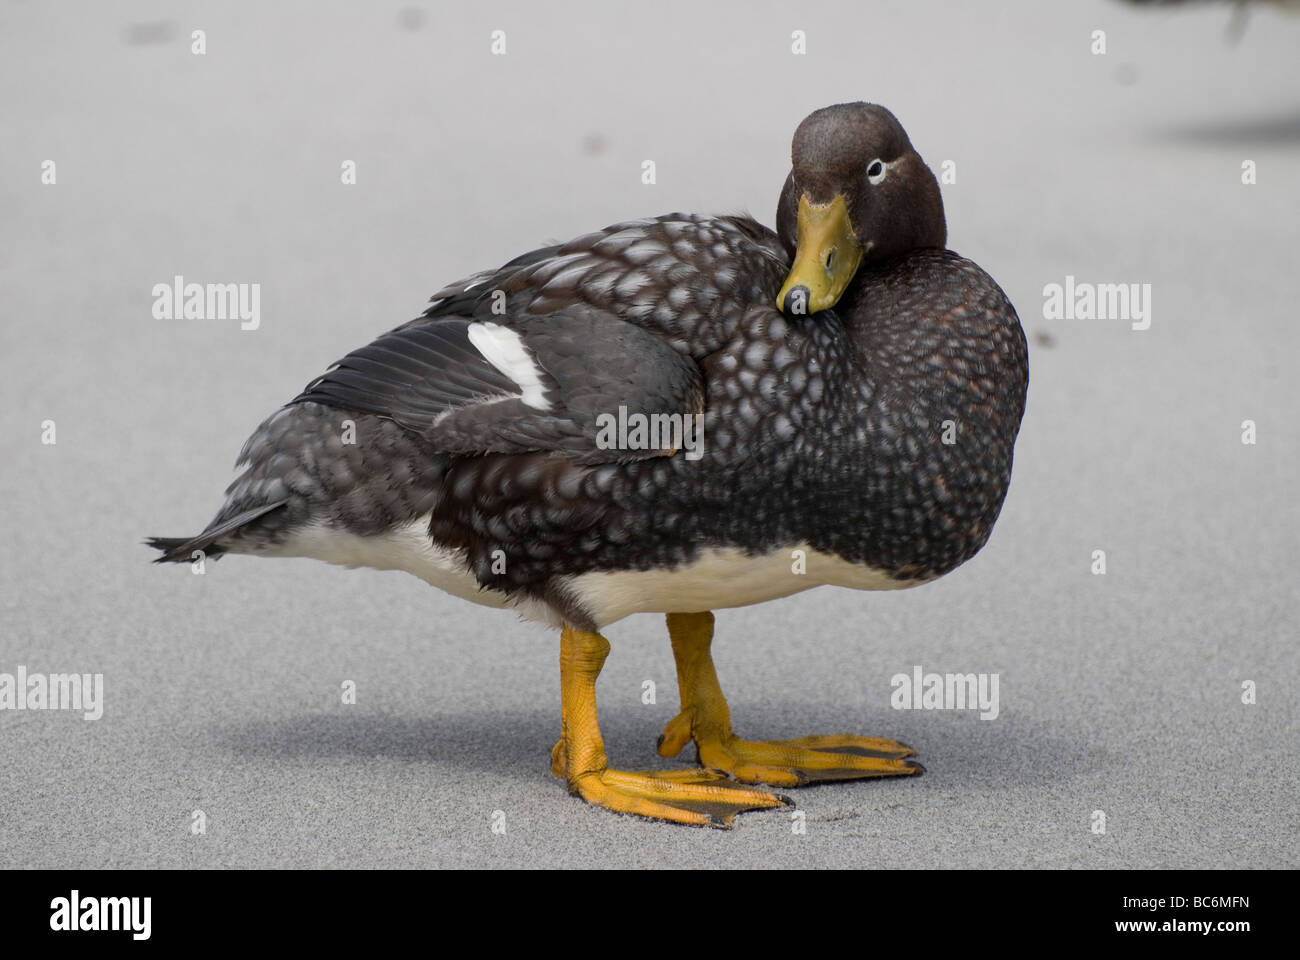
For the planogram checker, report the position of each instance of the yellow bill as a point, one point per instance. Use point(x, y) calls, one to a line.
point(826, 257)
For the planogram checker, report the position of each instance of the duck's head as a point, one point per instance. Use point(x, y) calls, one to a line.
point(858, 193)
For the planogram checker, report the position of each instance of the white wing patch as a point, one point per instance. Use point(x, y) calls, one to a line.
point(505, 350)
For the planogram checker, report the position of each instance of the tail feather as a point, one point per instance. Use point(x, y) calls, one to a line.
point(181, 549)
point(175, 549)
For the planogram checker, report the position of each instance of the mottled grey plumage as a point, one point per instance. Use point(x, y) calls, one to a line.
point(827, 429)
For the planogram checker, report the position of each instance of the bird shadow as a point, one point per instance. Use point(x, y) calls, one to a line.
point(489, 741)
point(1279, 130)
point(960, 748)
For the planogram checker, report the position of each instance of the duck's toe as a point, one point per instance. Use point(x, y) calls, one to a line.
point(793, 763)
point(696, 797)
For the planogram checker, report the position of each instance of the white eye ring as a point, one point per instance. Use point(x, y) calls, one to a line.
point(879, 174)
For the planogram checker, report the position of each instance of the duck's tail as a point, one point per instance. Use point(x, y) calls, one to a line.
point(299, 472)
point(181, 549)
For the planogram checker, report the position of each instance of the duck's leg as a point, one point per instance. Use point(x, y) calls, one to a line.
point(686, 796)
point(706, 719)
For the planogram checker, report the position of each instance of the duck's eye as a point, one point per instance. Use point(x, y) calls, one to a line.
point(875, 172)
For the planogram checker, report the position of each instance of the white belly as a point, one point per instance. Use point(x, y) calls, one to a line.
point(714, 580)
point(406, 548)
point(722, 578)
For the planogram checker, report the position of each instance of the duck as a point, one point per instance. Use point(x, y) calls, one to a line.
point(671, 415)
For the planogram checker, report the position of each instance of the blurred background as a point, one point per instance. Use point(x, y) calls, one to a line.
point(1119, 692)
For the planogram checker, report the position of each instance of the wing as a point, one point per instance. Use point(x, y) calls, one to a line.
point(543, 383)
point(674, 275)
point(533, 356)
